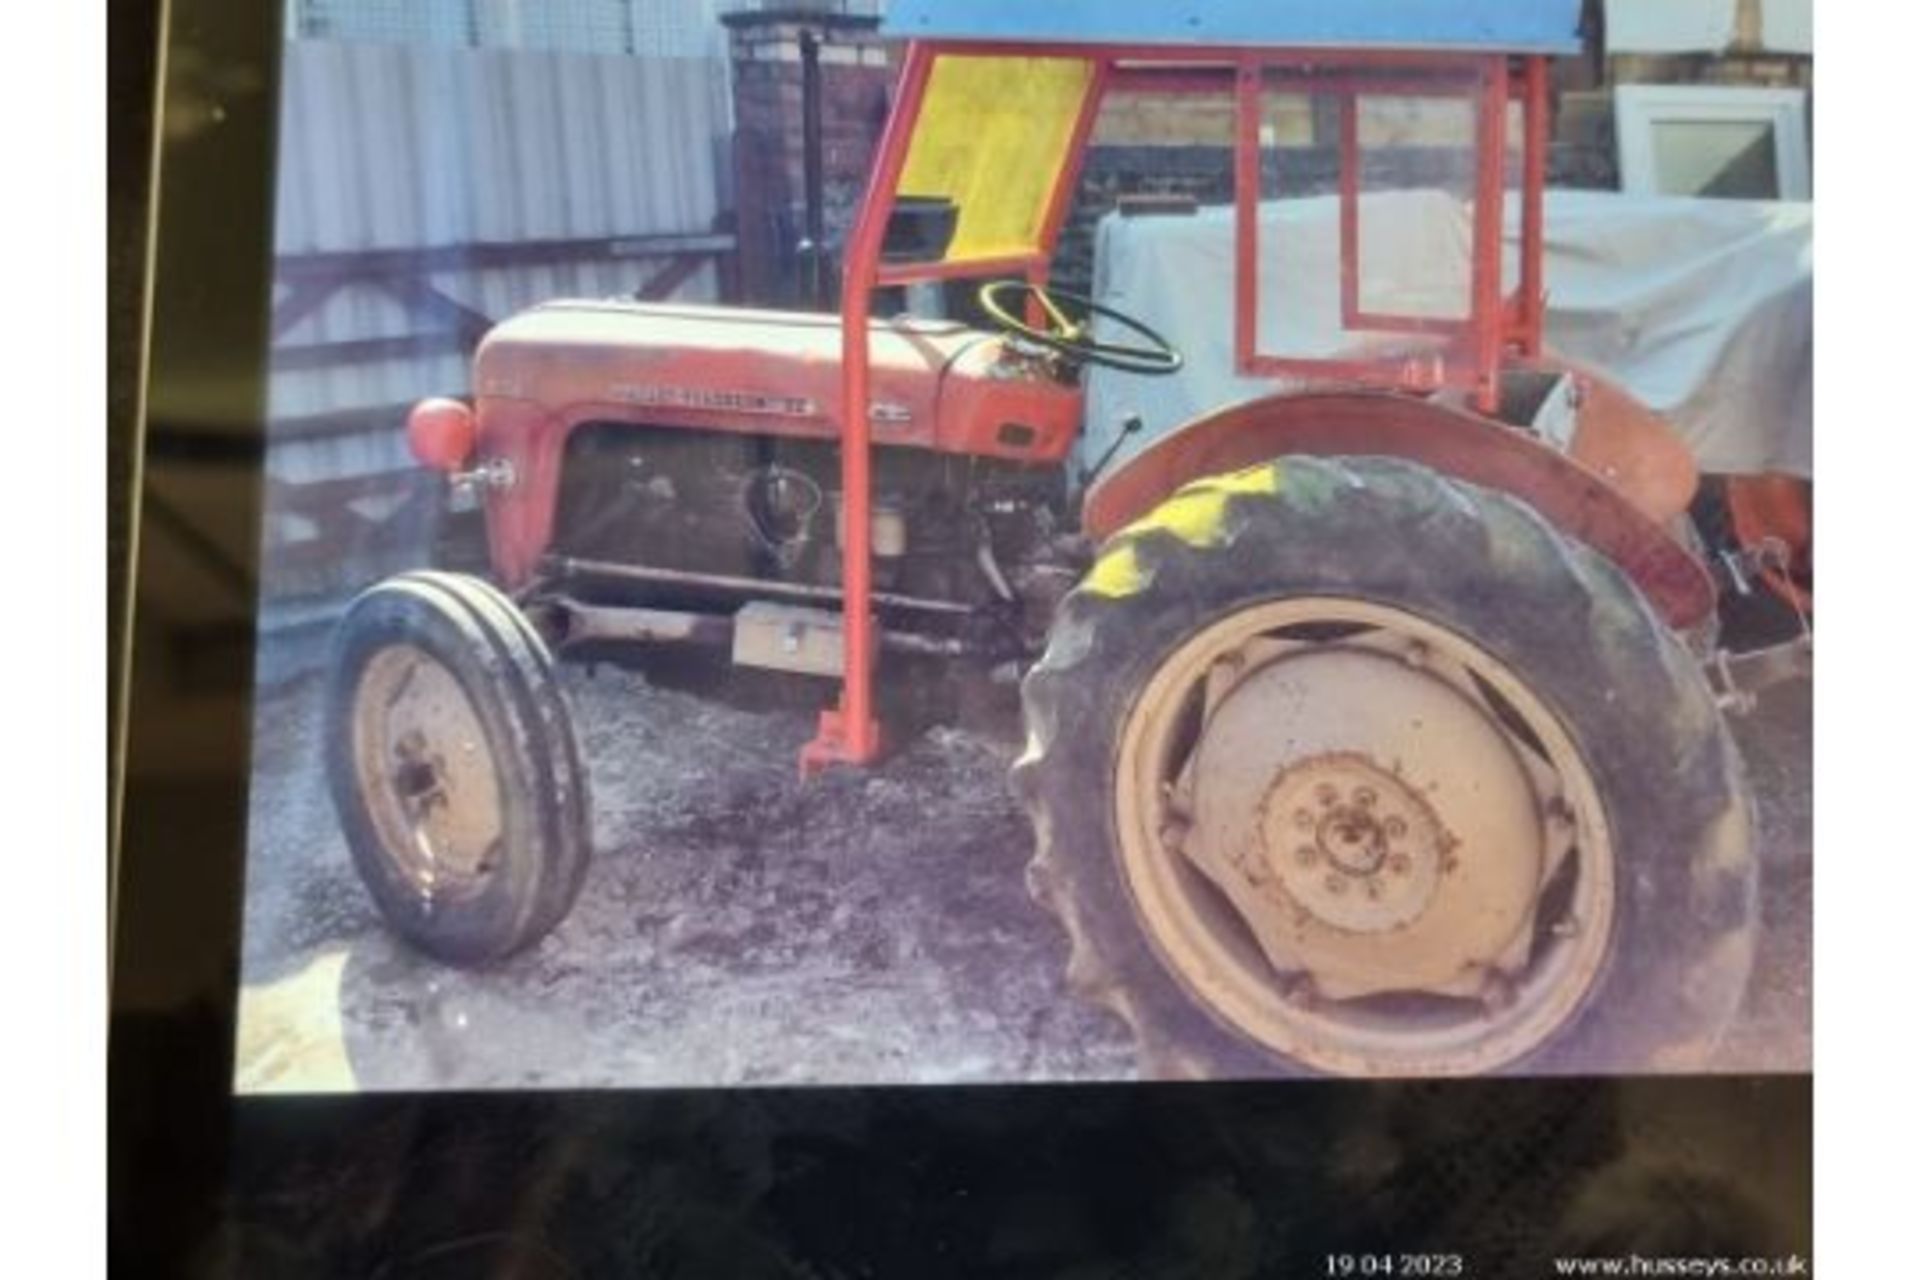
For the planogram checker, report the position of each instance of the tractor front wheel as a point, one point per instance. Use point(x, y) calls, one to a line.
point(453, 767)
point(1342, 766)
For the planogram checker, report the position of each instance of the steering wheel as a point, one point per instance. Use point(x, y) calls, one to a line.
point(1004, 301)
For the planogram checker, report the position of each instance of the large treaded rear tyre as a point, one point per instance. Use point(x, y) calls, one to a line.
point(1670, 969)
point(453, 767)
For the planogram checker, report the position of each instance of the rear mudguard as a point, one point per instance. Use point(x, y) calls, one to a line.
point(1453, 441)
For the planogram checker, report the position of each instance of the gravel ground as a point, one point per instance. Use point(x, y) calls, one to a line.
point(739, 927)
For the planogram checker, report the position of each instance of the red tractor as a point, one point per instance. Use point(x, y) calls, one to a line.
point(1374, 725)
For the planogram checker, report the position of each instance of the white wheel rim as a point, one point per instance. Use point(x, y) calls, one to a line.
point(426, 774)
point(1215, 820)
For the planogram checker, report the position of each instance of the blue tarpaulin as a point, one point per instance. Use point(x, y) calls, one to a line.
point(1511, 26)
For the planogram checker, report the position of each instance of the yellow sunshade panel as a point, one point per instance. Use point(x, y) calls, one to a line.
point(993, 137)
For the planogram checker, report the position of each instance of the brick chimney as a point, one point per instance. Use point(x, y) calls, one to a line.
point(779, 217)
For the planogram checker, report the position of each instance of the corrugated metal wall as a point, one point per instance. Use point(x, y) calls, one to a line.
point(657, 28)
point(410, 147)
point(387, 146)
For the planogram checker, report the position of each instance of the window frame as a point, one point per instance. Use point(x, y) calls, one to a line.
point(1640, 109)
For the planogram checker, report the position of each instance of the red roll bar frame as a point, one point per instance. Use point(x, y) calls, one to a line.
point(850, 733)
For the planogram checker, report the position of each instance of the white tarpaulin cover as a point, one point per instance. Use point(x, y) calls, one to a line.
point(1702, 308)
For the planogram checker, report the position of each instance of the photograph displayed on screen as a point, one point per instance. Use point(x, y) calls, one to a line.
point(921, 542)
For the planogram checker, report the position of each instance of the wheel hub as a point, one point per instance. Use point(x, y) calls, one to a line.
point(418, 777)
point(1366, 818)
point(1352, 843)
point(430, 785)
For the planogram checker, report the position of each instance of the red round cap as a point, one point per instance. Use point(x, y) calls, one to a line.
point(441, 433)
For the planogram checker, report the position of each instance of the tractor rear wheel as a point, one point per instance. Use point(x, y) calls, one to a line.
point(1338, 765)
point(453, 767)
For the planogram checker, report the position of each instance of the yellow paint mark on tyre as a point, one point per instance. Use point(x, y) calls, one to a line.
point(1116, 575)
point(1197, 513)
point(1261, 479)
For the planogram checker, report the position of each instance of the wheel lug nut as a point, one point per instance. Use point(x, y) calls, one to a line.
point(1326, 794)
point(1365, 797)
point(1306, 855)
point(1399, 864)
point(1394, 827)
point(1302, 992)
point(1336, 884)
point(1303, 819)
point(1497, 994)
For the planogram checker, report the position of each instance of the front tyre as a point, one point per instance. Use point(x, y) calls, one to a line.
point(1340, 765)
point(453, 767)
